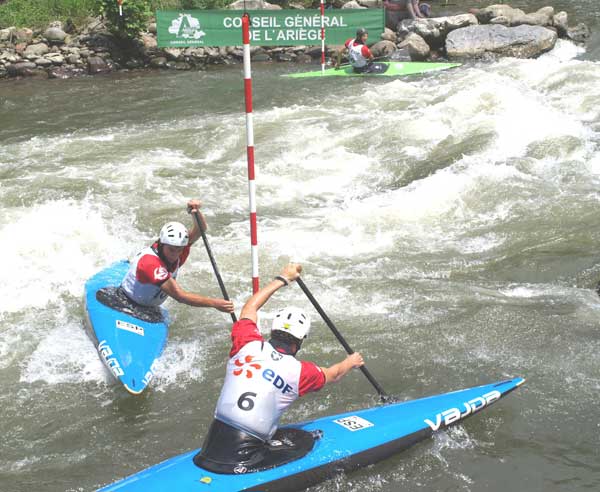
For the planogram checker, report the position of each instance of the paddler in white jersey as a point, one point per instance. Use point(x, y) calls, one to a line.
point(263, 378)
point(359, 54)
point(152, 273)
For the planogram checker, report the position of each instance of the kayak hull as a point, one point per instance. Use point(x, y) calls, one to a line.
point(128, 345)
point(394, 69)
point(349, 440)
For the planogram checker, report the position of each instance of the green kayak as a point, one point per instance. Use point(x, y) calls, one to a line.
point(379, 69)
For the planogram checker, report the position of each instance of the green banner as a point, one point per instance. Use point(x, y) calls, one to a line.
point(179, 29)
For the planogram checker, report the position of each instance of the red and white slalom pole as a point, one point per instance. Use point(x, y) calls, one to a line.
point(120, 2)
point(250, 150)
point(322, 37)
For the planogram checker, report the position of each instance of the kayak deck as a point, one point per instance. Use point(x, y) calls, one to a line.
point(349, 440)
point(394, 69)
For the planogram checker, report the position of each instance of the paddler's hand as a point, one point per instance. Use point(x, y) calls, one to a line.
point(193, 206)
point(223, 305)
point(291, 271)
point(356, 360)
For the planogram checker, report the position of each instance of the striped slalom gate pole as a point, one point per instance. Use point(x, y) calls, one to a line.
point(250, 150)
point(322, 37)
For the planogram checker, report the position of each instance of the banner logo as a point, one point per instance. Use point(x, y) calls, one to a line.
point(187, 27)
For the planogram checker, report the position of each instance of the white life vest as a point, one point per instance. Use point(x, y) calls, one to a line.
point(260, 384)
point(146, 294)
point(355, 54)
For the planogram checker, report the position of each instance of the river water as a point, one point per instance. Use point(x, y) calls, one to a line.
point(448, 224)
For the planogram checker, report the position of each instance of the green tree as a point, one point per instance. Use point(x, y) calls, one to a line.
point(134, 18)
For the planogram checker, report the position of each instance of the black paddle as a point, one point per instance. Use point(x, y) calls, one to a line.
point(382, 394)
point(213, 262)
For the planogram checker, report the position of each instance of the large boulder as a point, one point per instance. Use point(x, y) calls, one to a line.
point(418, 49)
point(24, 35)
point(383, 48)
point(434, 30)
point(36, 50)
point(55, 35)
point(389, 35)
point(97, 65)
point(7, 34)
point(21, 69)
point(519, 42)
point(500, 14)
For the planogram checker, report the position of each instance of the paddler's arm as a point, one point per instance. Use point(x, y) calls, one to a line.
point(172, 288)
point(337, 371)
point(250, 310)
point(193, 207)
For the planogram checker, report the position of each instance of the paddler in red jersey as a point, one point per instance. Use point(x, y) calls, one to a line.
point(359, 54)
point(263, 378)
point(152, 273)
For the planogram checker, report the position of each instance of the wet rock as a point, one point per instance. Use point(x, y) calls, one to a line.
point(285, 57)
point(173, 54)
point(73, 59)
point(435, 30)
point(24, 35)
point(97, 65)
point(21, 69)
point(43, 62)
point(55, 35)
point(304, 58)
point(182, 66)
point(383, 48)
point(36, 50)
point(7, 34)
point(64, 72)
point(561, 22)
point(417, 47)
point(579, 34)
point(55, 58)
point(134, 63)
point(149, 42)
point(389, 35)
point(520, 42)
point(261, 57)
point(158, 62)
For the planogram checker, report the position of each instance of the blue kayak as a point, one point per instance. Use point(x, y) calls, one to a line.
point(129, 337)
point(345, 441)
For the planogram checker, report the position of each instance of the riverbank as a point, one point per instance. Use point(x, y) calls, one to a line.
point(62, 51)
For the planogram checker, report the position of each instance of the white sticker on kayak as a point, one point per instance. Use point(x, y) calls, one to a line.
point(123, 325)
point(354, 423)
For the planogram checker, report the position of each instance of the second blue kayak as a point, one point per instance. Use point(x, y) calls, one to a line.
point(129, 338)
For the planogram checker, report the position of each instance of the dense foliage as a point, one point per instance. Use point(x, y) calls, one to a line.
point(38, 13)
point(134, 18)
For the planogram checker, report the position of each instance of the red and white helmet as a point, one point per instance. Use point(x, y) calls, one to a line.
point(174, 234)
point(293, 321)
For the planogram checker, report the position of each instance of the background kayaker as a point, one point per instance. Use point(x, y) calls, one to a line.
point(152, 273)
point(398, 10)
point(359, 54)
point(263, 379)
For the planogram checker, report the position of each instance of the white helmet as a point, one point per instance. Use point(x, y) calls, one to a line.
point(174, 234)
point(293, 321)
